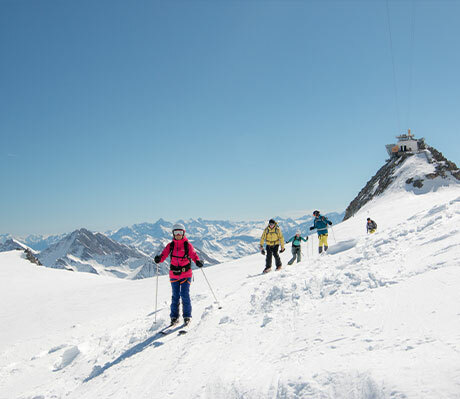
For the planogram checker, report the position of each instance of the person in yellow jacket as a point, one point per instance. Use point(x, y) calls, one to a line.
point(273, 237)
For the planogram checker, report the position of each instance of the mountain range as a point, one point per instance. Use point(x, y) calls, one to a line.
point(127, 252)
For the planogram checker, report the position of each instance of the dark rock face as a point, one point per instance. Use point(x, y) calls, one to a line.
point(31, 257)
point(375, 186)
point(386, 175)
point(443, 165)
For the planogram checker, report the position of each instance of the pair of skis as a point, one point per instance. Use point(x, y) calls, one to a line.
point(175, 327)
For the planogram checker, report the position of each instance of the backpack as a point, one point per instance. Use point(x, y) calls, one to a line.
point(171, 249)
point(372, 225)
point(267, 229)
point(178, 270)
point(323, 219)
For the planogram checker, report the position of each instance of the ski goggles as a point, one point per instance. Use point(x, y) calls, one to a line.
point(178, 232)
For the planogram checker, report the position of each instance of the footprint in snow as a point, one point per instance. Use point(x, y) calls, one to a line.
point(67, 358)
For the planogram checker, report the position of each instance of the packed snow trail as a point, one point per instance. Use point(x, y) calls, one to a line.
point(377, 317)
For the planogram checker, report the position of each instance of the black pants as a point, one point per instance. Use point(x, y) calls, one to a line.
point(272, 250)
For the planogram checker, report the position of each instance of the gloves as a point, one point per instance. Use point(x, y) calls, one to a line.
point(330, 223)
point(157, 258)
point(262, 251)
point(282, 250)
point(199, 263)
point(312, 227)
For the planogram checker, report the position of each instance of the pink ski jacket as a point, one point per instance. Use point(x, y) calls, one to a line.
point(178, 257)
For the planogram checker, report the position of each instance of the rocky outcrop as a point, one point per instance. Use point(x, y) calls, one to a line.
point(31, 257)
point(443, 170)
point(376, 185)
point(443, 167)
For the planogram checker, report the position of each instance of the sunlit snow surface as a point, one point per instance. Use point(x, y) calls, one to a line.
point(377, 317)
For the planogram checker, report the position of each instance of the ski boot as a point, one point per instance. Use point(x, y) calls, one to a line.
point(174, 320)
point(187, 321)
point(266, 270)
point(279, 267)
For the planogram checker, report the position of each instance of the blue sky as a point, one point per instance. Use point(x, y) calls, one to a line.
point(120, 112)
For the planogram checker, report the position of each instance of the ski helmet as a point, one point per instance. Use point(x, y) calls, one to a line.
point(298, 232)
point(178, 226)
point(271, 221)
point(316, 213)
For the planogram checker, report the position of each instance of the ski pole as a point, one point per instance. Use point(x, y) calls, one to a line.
point(156, 295)
point(333, 235)
point(220, 307)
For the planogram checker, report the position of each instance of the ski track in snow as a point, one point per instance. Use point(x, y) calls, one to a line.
point(376, 317)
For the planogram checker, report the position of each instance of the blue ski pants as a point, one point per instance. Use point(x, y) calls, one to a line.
point(181, 289)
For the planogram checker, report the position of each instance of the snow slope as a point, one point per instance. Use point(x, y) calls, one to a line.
point(377, 317)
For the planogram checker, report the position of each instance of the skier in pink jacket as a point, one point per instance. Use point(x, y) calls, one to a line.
point(181, 253)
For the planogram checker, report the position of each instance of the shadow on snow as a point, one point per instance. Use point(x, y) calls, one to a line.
point(151, 341)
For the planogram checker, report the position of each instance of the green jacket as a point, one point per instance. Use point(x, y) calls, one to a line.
point(296, 241)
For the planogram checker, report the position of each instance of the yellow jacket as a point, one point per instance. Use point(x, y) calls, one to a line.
point(272, 236)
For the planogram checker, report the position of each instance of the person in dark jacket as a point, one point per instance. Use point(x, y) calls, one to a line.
point(320, 224)
point(296, 249)
point(371, 226)
point(182, 253)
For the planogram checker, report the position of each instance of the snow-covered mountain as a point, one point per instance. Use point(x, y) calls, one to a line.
point(34, 241)
point(214, 241)
point(89, 252)
point(11, 244)
point(424, 171)
point(376, 317)
point(221, 240)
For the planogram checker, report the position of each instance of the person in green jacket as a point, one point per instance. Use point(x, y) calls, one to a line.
point(296, 248)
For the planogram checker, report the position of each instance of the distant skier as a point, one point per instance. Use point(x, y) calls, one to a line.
point(296, 248)
point(181, 253)
point(273, 236)
point(320, 223)
point(371, 226)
